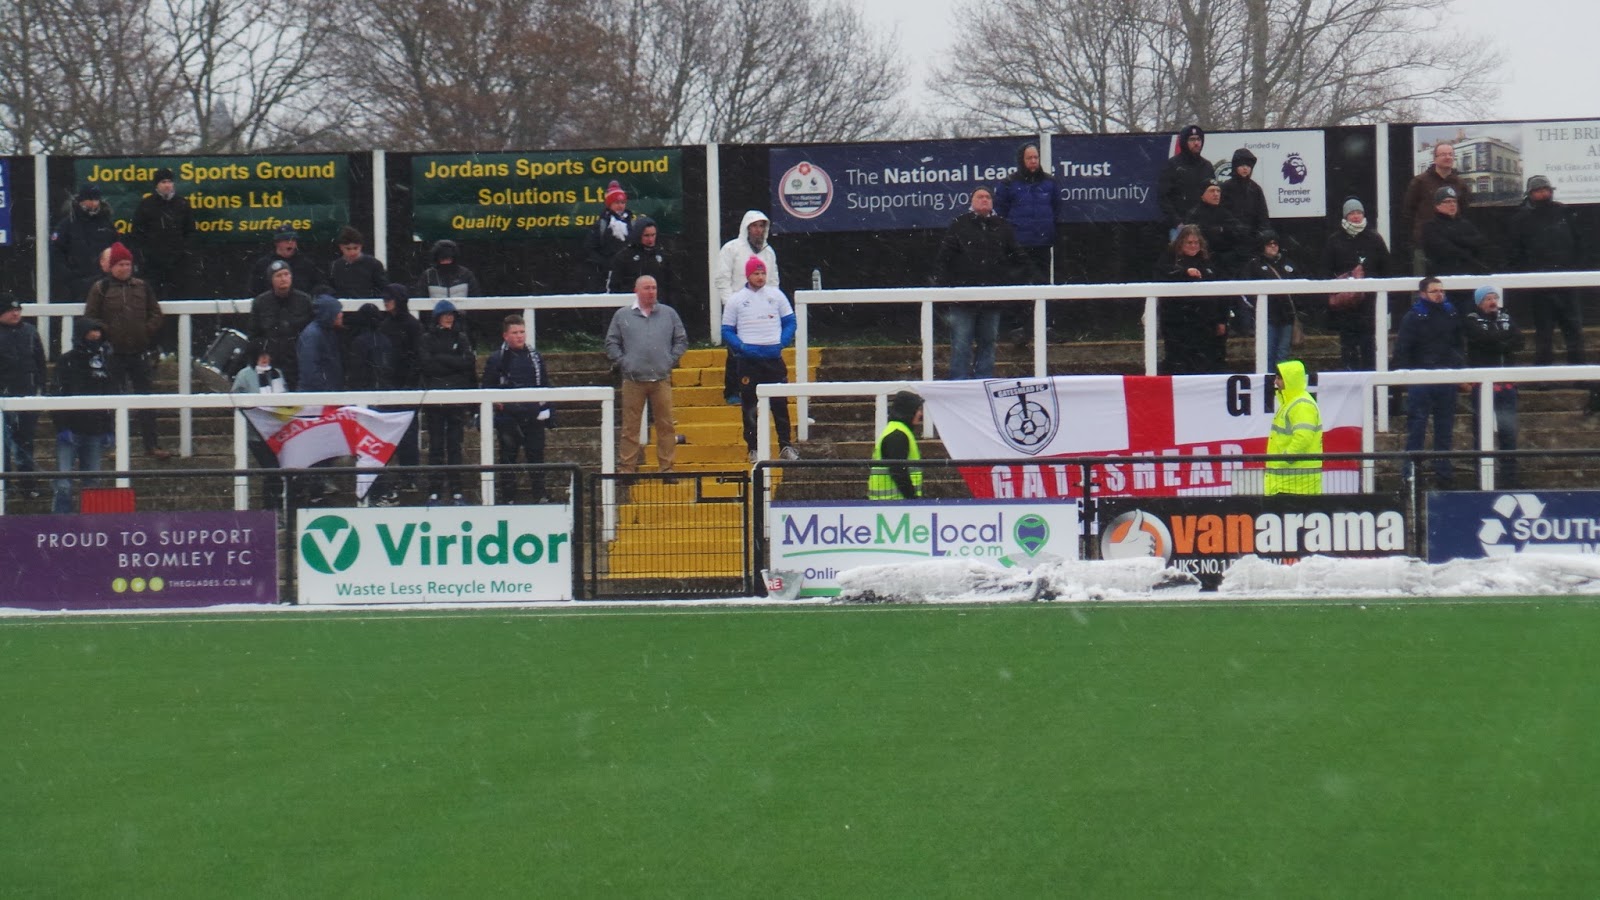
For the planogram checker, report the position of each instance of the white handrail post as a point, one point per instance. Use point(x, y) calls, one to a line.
point(714, 239)
point(241, 461)
point(1486, 434)
point(41, 249)
point(486, 448)
point(1263, 333)
point(186, 382)
point(4, 484)
point(1041, 346)
point(927, 358)
point(1151, 322)
point(764, 425)
point(1380, 356)
point(532, 328)
point(1369, 473)
point(380, 205)
point(120, 417)
point(608, 463)
point(802, 375)
point(880, 416)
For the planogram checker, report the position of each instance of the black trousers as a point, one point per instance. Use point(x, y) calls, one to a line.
point(755, 371)
point(520, 438)
point(136, 369)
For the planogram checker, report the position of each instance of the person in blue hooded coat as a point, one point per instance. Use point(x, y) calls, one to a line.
point(1029, 200)
point(321, 364)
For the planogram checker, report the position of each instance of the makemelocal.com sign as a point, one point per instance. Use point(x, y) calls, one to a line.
point(234, 198)
point(476, 554)
point(812, 543)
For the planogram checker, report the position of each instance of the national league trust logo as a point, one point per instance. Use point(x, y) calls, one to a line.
point(1026, 413)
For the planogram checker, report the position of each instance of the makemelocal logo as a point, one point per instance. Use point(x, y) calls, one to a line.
point(330, 545)
point(1031, 532)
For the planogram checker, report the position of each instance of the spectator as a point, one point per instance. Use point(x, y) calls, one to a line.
point(1296, 430)
point(404, 333)
point(609, 236)
point(262, 377)
point(757, 324)
point(645, 342)
point(1422, 199)
point(22, 374)
point(1194, 330)
point(82, 434)
point(1243, 197)
point(1226, 238)
point(1028, 199)
point(1430, 338)
point(131, 314)
point(448, 363)
point(79, 239)
point(1184, 179)
point(1356, 250)
point(355, 274)
point(519, 427)
point(1282, 317)
point(447, 279)
point(371, 361)
point(1543, 239)
point(898, 440)
point(278, 315)
point(728, 278)
point(285, 248)
point(979, 249)
point(1492, 339)
point(321, 363)
point(1454, 245)
point(643, 256)
point(163, 232)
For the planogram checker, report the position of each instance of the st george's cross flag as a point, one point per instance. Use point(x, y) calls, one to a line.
point(302, 436)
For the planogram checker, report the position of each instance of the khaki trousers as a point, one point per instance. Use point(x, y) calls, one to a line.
point(634, 396)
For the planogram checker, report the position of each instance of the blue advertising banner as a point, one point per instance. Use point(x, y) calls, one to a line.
point(5, 202)
point(1478, 524)
point(883, 186)
point(1109, 177)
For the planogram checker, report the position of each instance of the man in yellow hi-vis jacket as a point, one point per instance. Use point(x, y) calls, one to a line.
point(1296, 429)
point(898, 441)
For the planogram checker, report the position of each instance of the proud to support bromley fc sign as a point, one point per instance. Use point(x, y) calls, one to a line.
point(482, 554)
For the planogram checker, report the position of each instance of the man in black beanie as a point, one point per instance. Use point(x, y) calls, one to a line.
point(163, 234)
point(1243, 197)
point(1184, 179)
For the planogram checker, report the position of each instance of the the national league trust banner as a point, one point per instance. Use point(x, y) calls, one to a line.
point(1155, 421)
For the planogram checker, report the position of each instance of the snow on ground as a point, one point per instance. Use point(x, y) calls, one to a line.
point(948, 581)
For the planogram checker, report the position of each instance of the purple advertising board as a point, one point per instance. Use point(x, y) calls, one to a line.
point(885, 186)
point(138, 560)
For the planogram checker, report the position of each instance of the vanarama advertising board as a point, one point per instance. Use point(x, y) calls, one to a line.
point(435, 554)
point(811, 543)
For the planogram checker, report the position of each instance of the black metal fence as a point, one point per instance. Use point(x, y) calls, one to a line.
point(669, 535)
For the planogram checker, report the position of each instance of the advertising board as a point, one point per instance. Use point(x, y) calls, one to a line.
point(1478, 524)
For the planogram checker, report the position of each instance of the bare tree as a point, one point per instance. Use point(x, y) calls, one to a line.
point(1144, 65)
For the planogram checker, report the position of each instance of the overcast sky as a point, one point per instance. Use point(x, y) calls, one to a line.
point(1550, 56)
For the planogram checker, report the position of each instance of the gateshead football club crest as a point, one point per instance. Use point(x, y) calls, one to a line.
point(1025, 412)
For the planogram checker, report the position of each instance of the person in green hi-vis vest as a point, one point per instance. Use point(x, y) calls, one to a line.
point(1296, 429)
point(898, 441)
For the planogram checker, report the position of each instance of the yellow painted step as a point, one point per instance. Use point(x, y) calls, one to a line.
point(709, 357)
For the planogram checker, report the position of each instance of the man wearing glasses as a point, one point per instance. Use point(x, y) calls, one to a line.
point(1430, 337)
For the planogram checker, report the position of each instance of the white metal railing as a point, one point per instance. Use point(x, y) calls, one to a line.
point(1151, 292)
point(186, 310)
point(485, 398)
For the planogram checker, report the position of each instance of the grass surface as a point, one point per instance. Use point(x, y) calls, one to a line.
point(1420, 750)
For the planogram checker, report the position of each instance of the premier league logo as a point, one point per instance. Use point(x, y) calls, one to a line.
point(1025, 413)
point(1294, 169)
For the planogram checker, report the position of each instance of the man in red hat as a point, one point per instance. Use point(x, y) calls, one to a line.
point(757, 323)
point(609, 236)
point(132, 317)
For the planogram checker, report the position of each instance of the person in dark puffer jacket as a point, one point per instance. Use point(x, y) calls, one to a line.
point(1028, 199)
point(1184, 179)
point(82, 435)
point(519, 427)
point(22, 374)
point(448, 363)
point(1430, 338)
point(1243, 197)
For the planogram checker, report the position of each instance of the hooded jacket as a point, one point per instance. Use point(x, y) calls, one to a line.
point(447, 360)
point(22, 372)
point(729, 276)
point(371, 361)
point(1491, 339)
point(321, 368)
point(163, 229)
point(359, 280)
point(636, 260)
point(85, 370)
point(1429, 337)
point(80, 236)
point(1296, 429)
point(1542, 238)
point(404, 333)
point(1030, 202)
point(453, 281)
point(130, 311)
point(1244, 197)
point(1183, 179)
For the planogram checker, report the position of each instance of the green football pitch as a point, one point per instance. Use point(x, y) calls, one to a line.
point(1283, 750)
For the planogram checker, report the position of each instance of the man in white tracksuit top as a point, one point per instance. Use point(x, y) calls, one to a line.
point(728, 277)
point(757, 323)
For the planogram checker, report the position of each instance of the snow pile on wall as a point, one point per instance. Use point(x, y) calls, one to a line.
point(953, 581)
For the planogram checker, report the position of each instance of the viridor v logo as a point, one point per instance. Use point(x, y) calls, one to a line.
point(1031, 532)
point(330, 544)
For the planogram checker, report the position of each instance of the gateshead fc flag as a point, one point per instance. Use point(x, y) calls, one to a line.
point(301, 436)
point(1154, 421)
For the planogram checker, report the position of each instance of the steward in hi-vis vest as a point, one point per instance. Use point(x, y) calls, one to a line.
point(898, 441)
point(1296, 429)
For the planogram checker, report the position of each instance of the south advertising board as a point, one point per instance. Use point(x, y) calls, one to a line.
point(1481, 524)
point(459, 554)
point(813, 542)
point(138, 560)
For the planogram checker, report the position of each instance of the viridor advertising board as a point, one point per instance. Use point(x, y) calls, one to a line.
point(456, 554)
point(813, 542)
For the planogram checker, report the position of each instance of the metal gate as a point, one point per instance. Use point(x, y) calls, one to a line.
point(682, 534)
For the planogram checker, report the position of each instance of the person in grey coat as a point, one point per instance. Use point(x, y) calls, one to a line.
point(645, 341)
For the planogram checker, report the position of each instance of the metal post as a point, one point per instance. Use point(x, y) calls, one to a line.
point(1380, 341)
point(186, 382)
point(380, 205)
point(608, 463)
point(1263, 333)
point(880, 416)
point(802, 363)
point(120, 416)
point(1369, 440)
point(714, 239)
point(1041, 346)
point(1486, 434)
point(486, 448)
point(1151, 322)
point(241, 461)
point(533, 331)
point(764, 426)
point(927, 358)
point(41, 249)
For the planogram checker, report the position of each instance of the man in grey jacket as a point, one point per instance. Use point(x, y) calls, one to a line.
point(646, 341)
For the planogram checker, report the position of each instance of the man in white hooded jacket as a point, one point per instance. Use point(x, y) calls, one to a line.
point(728, 279)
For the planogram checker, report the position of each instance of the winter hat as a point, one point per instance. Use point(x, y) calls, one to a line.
point(162, 174)
point(754, 264)
point(1183, 136)
point(1352, 205)
point(614, 192)
point(442, 308)
point(88, 192)
point(120, 252)
point(1243, 157)
point(349, 235)
point(903, 405)
point(1483, 293)
point(277, 265)
point(398, 293)
point(1539, 182)
point(8, 302)
point(286, 234)
point(1445, 193)
point(1266, 236)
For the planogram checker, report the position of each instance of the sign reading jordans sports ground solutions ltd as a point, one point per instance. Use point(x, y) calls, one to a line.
point(470, 554)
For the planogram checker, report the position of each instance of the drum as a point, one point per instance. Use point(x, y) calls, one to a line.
point(214, 369)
